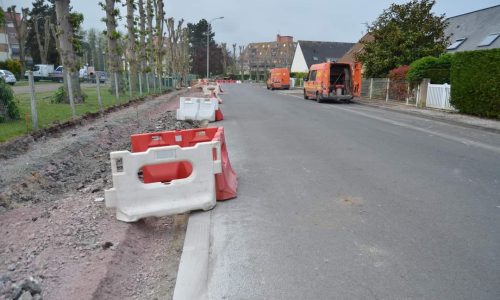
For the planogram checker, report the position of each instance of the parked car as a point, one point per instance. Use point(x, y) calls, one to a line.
point(329, 81)
point(41, 72)
point(8, 77)
point(58, 74)
point(279, 78)
point(101, 75)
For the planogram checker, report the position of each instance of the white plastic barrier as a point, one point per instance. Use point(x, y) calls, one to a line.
point(198, 109)
point(208, 89)
point(207, 109)
point(134, 200)
point(211, 87)
point(188, 108)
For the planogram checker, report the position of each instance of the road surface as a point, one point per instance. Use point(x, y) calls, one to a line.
point(343, 201)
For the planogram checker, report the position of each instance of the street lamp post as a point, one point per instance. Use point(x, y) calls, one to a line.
point(208, 44)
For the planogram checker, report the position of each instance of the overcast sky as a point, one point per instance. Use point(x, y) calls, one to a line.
point(260, 20)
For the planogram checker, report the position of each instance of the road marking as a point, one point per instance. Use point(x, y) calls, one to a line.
point(396, 123)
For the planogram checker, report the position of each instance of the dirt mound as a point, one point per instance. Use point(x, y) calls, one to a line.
point(55, 228)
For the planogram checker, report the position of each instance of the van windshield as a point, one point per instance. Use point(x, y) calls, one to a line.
point(36, 68)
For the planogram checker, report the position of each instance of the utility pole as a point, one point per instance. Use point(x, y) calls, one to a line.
point(208, 44)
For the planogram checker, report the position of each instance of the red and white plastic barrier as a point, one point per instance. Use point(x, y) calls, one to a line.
point(189, 188)
point(226, 181)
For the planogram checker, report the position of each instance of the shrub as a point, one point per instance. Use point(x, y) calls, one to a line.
point(8, 107)
point(60, 96)
point(398, 87)
point(399, 73)
point(475, 85)
point(299, 77)
point(437, 69)
point(12, 65)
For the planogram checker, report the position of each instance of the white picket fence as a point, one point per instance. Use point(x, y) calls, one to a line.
point(438, 96)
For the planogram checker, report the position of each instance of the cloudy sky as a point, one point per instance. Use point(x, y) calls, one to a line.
point(260, 20)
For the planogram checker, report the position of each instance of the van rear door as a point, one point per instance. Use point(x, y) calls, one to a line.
point(340, 80)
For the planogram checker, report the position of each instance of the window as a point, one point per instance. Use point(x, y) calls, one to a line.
point(489, 39)
point(312, 76)
point(456, 44)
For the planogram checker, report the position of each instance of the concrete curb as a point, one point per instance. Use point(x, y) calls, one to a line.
point(452, 122)
point(192, 277)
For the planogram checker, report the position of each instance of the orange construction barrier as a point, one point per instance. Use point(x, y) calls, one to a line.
point(226, 182)
point(218, 115)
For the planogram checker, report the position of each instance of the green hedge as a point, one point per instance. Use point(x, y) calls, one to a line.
point(12, 65)
point(8, 106)
point(437, 69)
point(475, 82)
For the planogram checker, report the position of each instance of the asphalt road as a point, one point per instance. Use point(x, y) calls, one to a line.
point(343, 201)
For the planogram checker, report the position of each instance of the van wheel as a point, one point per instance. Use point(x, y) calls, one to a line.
point(272, 88)
point(318, 98)
point(305, 95)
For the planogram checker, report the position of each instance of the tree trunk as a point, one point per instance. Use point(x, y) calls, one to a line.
point(131, 57)
point(113, 53)
point(160, 16)
point(21, 29)
point(233, 66)
point(142, 37)
point(43, 49)
point(68, 55)
point(242, 51)
point(150, 52)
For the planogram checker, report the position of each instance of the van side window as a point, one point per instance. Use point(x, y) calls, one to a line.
point(312, 77)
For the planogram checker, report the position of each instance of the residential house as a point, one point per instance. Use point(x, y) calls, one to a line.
point(9, 45)
point(350, 56)
point(259, 58)
point(308, 53)
point(476, 30)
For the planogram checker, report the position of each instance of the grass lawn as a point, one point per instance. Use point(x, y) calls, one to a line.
point(25, 82)
point(49, 113)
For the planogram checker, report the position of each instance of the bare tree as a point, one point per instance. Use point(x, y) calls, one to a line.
point(224, 58)
point(65, 37)
point(172, 39)
point(142, 36)
point(43, 48)
point(185, 53)
point(113, 53)
point(21, 30)
point(242, 51)
point(178, 46)
point(131, 57)
point(159, 17)
point(150, 48)
point(233, 69)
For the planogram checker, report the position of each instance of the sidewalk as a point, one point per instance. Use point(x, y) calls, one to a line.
point(435, 114)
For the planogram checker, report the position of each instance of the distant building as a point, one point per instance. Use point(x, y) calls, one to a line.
point(308, 53)
point(475, 30)
point(9, 45)
point(259, 58)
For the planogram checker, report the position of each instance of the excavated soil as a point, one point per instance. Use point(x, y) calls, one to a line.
point(58, 241)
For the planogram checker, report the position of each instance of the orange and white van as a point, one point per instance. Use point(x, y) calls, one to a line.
point(278, 78)
point(329, 81)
